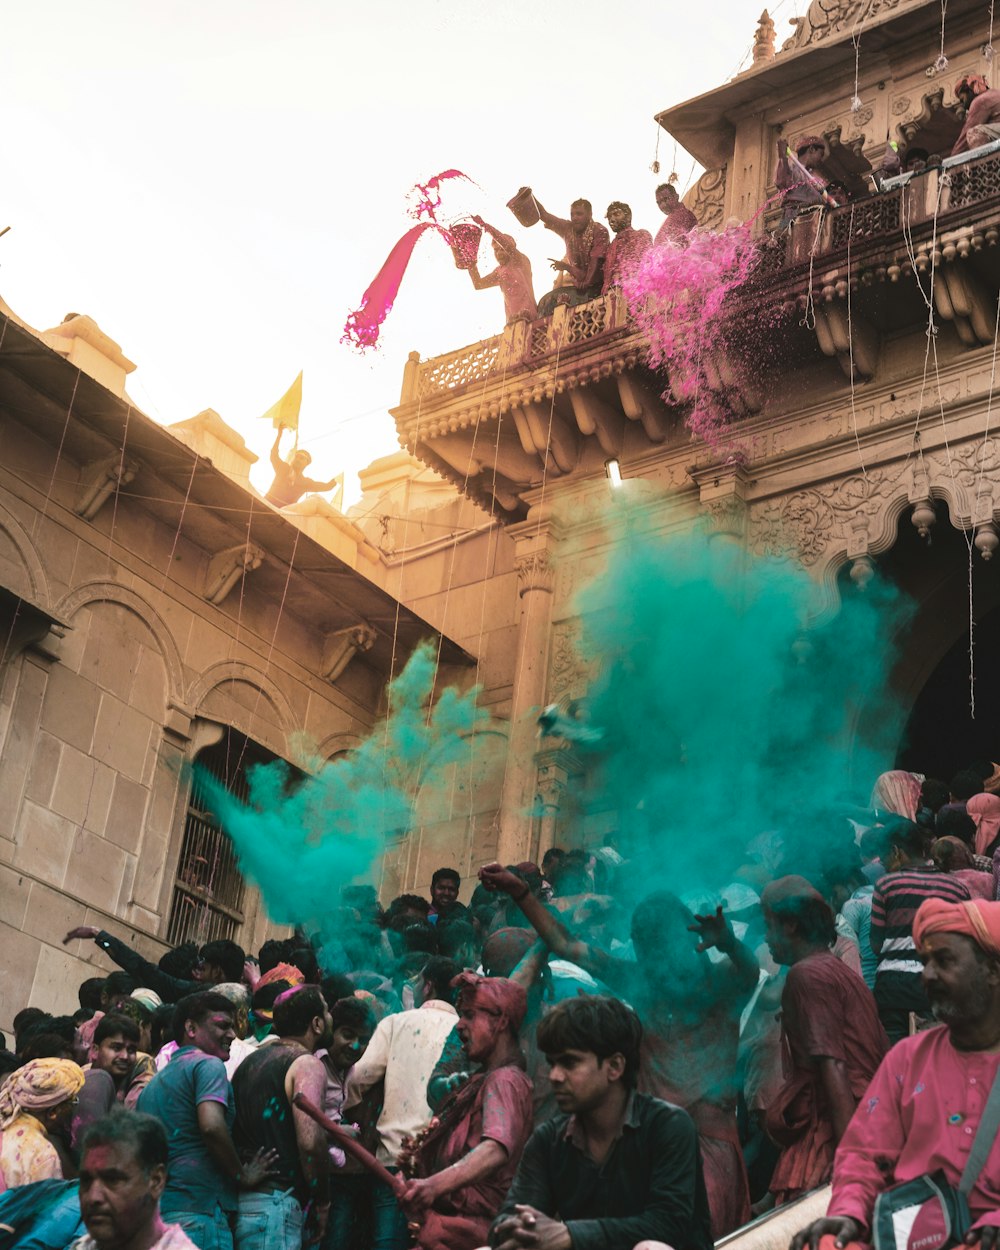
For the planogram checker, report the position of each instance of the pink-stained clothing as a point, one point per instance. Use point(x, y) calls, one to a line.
point(983, 111)
point(585, 252)
point(897, 791)
point(985, 812)
point(515, 283)
point(676, 225)
point(919, 1113)
point(979, 884)
point(495, 1106)
point(627, 248)
point(827, 1013)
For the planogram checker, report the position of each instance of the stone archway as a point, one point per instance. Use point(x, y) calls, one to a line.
point(930, 678)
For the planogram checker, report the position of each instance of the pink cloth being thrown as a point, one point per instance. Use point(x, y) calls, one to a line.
point(362, 327)
point(985, 812)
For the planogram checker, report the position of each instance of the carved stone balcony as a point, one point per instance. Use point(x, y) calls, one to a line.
point(842, 290)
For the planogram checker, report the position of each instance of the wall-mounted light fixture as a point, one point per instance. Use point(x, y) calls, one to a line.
point(614, 472)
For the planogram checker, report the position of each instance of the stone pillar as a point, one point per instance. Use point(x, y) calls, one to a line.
point(555, 769)
point(535, 582)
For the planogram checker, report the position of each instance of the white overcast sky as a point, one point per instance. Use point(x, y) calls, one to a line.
point(216, 183)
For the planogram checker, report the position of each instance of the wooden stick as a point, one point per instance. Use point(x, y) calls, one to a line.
point(348, 1144)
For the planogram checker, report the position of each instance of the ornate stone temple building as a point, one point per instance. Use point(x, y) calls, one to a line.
point(859, 360)
point(155, 610)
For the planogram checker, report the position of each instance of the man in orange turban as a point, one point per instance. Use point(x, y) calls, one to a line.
point(926, 1100)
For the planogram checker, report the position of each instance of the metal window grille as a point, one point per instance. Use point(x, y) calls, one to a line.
point(209, 888)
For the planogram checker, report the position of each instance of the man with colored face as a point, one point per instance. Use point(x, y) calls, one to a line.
point(581, 272)
point(123, 1172)
point(615, 1169)
point(924, 1105)
point(192, 1097)
point(627, 248)
point(679, 218)
point(468, 1159)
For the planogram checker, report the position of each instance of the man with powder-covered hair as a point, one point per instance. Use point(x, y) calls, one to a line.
point(467, 1159)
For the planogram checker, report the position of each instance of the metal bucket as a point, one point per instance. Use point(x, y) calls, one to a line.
point(523, 207)
point(465, 244)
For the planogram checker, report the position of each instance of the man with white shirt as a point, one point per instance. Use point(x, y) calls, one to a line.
point(403, 1051)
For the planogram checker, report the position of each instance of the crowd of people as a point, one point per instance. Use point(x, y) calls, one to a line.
point(804, 181)
point(594, 263)
point(545, 1065)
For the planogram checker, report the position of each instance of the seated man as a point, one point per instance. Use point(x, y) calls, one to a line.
point(627, 247)
point(581, 273)
point(615, 1169)
point(122, 1175)
point(290, 482)
point(982, 113)
point(926, 1100)
point(467, 1159)
point(679, 218)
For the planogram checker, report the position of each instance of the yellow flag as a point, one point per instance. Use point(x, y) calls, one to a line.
point(286, 411)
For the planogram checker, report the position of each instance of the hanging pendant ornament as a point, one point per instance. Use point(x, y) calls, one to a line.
point(941, 64)
point(856, 104)
point(988, 52)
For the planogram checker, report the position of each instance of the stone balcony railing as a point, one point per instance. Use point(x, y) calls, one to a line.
point(848, 281)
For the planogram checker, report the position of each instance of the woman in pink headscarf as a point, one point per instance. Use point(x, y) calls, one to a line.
point(985, 812)
point(897, 792)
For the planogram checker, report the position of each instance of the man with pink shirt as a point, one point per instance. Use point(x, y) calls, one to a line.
point(921, 1112)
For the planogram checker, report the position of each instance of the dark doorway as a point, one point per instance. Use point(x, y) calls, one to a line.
point(941, 735)
point(931, 676)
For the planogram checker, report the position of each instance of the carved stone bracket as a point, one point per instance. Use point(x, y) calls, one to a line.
point(853, 342)
point(340, 648)
point(98, 480)
point(227, 567)
point(723, 495)
point(962, 298)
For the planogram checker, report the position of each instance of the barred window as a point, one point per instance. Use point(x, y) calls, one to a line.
point(209, 888)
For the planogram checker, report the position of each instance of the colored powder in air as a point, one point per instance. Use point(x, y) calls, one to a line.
point(300, 842)
point(676, 296)
point(720, 719)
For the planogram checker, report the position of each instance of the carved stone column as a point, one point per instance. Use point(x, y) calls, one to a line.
point(555, 770)
point(535, 583)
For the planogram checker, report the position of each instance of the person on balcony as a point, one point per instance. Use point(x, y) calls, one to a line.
point(627, 247)
point(679, 218)
point(512, 275)
point(982, 113)
point(581, 272)
point(801, 181)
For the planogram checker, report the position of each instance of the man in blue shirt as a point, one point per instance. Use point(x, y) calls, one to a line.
point(193, 1099)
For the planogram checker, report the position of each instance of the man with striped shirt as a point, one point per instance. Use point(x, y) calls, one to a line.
point(909, 880)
